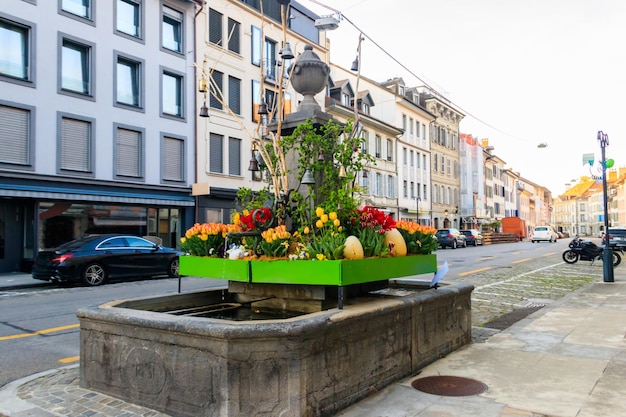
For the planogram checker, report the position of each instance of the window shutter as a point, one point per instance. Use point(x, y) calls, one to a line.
point(234, 156)
point(234, 37)
point(173, 163)
point(215, 27)
point(128, 158)
point(216, 149)
point(15, 133)
point(234, 94)
point(218, 81)
point(75, 145)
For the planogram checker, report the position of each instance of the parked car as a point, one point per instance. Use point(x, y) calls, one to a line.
point(543, 234)
point(451, 238)
point(97, 258)
point(473, 237)
point(617, 236)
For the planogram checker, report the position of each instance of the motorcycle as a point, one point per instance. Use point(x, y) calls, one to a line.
point(586, 250)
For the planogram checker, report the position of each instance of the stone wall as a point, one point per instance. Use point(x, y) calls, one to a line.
point(312, 365)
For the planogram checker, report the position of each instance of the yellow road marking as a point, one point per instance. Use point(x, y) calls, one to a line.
point(549, 254)
point(68, 360)
point(485, 258)
point(462, 274)
point(40, 332)
point(521, 260)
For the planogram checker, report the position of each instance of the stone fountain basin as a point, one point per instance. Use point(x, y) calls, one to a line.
point(311, 365)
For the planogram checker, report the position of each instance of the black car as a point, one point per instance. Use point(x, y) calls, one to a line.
point(451, 238)
point(94, 259)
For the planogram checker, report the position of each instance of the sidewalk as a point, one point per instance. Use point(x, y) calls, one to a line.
point(566, 360)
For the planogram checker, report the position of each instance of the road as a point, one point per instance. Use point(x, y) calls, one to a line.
point(39, 329)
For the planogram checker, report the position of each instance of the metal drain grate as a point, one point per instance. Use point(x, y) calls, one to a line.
point(450, 386)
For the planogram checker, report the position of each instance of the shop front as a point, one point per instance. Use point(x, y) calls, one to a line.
point(36, 216)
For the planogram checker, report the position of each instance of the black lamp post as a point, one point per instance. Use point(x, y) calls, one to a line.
point(607, 255)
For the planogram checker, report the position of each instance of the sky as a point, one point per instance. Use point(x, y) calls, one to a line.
point(525, 72)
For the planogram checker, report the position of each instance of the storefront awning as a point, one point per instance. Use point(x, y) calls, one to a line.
point(105, 196)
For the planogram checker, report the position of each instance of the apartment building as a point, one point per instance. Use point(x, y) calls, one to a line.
point(413, 150)
point(444, 151)
point(239, 61)
point(95, 129)
point(472, 188)
point(378, 182)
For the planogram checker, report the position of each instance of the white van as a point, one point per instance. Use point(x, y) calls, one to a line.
point(544, 233)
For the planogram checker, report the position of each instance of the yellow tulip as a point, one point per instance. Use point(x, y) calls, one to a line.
point(324, 218)
point(307, 230)
point(336, 222)
point(319, 212)
point(332, 215)
point(319, 224)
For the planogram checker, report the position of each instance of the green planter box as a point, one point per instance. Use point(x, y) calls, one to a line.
point(338, 273)
point(342, 272)
point(219, 268)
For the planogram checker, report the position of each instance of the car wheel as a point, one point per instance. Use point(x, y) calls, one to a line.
point(172, 269)
point(94, 274)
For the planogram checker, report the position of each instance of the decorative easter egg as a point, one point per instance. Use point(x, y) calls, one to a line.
point(399, 245)
point(353, 249)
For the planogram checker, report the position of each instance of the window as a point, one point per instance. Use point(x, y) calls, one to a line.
point(234, 94)
point(216, 149)
point(389, 150)
point(411, 125)
point(411, 158)
point(128, 152)
point(417, 159)
point(172, 30)
point(16, 52)
point(75, 144)
point(366, 142)
point(412, 189)
point(379, 185)
point(270, 59)
point(405, 189)
point(234, 156)
point(234, 36)
point(173, 158)
point(404, 157)
point(128, 17)
point(80, 8)
point(256, 99)
point(215, 27)
point(16, 134)
point(172, 94)
point(417, 128)
point(256, 45)
point(217, 83)
point(76, 67)
point(391, 186)
point(129, 82)
point(435, 160)
point(379, 146)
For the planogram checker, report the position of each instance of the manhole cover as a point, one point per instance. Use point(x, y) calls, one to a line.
point(451, 386)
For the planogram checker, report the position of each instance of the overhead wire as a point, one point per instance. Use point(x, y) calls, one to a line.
point(426, 84)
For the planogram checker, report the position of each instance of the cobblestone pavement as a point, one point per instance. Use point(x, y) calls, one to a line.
point(528, 285)
point(59, 392)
